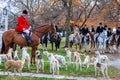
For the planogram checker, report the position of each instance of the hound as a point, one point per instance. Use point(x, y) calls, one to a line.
point(61, 60)
point(17, 65)
point(26, 56)
point(54, 63)
point(40, 61)
point(77, 60)
point(16, 56)
point(86, 61)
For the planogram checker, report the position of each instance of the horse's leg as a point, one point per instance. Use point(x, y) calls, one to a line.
point(12, 45)
point(7, 46)
point(46, 45)
point(93, 44)
point(56, 45)
point(42, 46)
point(118, 42)
point(52, 45)
point(6, 49)
point(79, 46)
point(70, 45)
point(33, 55)
point(76, 46)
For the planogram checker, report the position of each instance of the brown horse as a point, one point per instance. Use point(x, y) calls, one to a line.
point(12, 37)
point(92, 40)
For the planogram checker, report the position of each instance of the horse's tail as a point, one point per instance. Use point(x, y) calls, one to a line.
point(3, 47)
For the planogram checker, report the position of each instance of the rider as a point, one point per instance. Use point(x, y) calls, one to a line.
point(118, 31)
point(92, 29)
point(85, 30)
point(109, 32)
point(100, 28)
point(24, 26)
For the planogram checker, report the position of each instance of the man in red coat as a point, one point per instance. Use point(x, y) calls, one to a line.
point(24, 26)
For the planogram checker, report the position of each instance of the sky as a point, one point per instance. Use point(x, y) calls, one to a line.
point(3, 4)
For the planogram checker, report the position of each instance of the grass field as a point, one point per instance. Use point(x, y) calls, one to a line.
point(70, 71)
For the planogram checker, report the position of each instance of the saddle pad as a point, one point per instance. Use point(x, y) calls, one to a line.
point(23, 35)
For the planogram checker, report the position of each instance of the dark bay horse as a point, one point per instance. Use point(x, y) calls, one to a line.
point(12, 37)
point(55, 40)
point(52, 40)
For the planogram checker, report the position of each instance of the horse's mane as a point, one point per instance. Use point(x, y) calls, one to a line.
point(41, 26)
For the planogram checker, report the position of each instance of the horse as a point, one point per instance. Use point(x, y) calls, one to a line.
point(56, 40)
point(92, 40)
point(44, 41)
point(75, 38)
point(101, 41)
point(111, 43)
point(52, 40)
point(11, 37)
point(86, 40)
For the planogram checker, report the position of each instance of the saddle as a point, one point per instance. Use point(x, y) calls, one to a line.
point(24, 34)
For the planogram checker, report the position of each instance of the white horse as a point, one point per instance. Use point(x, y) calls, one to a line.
point(75, 39)
point(86, 40)
point(101, 41)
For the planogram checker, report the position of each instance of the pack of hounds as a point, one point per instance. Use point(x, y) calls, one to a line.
point(100, 62)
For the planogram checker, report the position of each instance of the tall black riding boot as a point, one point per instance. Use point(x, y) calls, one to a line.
point(29, 41)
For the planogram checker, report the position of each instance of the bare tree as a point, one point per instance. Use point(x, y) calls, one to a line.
point(67, 4)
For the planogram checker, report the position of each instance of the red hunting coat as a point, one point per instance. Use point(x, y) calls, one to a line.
point(22, 23)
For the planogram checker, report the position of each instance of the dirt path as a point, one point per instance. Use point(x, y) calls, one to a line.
point(114, 60)
point(50, 76)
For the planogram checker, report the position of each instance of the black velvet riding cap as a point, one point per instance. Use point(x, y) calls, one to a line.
point(25, 12)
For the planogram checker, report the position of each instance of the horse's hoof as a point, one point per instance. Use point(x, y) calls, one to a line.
point(58, 50)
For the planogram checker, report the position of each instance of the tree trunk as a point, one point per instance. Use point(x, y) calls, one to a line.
point(67, 25)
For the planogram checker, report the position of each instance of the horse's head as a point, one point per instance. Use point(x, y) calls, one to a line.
point(52, 31)
point(42, 30)
point(104, 34)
